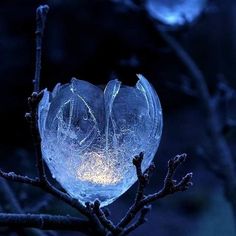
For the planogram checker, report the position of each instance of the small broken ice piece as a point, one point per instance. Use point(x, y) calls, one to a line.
point(90, 136)
point(175, 12)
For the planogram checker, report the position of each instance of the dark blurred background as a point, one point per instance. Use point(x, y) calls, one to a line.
point(95, 41)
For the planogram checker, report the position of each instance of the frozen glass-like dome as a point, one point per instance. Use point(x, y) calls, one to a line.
point(175, 12)
point(90, 136)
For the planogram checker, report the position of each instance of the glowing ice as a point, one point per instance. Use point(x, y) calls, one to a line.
point(90, 136)
point(175, 12)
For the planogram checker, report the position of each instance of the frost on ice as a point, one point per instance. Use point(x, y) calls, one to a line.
point(175, 12)
point(90, 136)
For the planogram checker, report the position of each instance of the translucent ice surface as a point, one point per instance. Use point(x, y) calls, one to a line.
point(90, 136)
point(175, 12)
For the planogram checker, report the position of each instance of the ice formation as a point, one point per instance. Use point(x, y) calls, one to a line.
point(90, 136)
point(175, 12)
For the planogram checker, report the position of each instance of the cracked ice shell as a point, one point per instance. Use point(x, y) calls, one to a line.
point(90, 136)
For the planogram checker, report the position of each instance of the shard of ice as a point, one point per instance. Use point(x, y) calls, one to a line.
point(175, 12)
point(90, 136)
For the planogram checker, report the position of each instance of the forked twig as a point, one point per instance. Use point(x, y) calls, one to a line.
point(170, 187)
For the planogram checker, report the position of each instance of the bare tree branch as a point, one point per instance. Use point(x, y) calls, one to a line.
point(224, 156)
point(141, 220)
point(170, 187)
point(45, 222)
point(19, 178)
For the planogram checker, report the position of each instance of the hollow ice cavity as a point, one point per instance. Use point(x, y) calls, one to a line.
point(90, 136)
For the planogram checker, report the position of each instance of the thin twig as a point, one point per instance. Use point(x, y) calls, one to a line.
point(170, 187)
point(19, 178)
point(143, 178)
point(108, 224)
point(137, 161)
point(32, 118)
point(41, 16)
point(141, 220)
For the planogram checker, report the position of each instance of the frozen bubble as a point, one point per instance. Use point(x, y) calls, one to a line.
point(90, 136)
